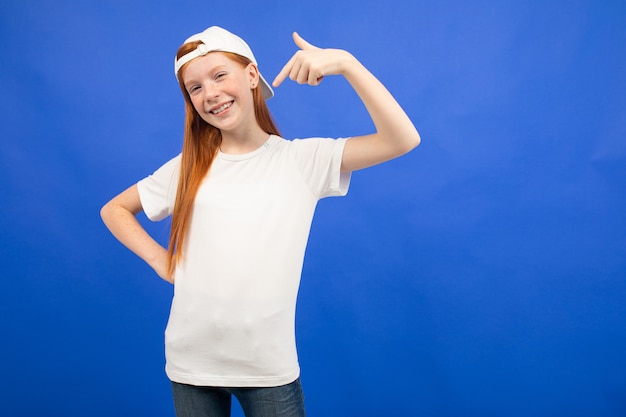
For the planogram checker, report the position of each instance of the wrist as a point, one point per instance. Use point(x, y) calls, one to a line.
point(347, 63)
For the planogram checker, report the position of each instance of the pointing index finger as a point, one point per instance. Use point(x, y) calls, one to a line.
point(283, 73)
point(302, 44)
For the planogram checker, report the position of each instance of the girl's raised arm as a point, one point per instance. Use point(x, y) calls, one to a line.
point(395, 134)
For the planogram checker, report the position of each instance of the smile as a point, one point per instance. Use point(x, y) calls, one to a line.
point(222, 108)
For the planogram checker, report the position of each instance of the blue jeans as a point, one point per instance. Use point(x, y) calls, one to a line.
point(283, 401)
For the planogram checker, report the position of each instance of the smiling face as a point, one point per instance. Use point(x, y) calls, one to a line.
point(220, 90)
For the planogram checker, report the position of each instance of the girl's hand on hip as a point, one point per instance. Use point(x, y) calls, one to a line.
point(159, 264)
point(310, 64)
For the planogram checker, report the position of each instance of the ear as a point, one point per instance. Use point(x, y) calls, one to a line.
point(253, 75)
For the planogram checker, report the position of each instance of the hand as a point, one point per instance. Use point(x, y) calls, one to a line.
point(160, 267)
point(310, 64)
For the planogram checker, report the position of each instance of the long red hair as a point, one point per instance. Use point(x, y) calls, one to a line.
point(201, 142)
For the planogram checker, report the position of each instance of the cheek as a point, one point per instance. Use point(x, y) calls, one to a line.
point(197, 104)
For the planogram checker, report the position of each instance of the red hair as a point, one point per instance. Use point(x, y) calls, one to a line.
point(201, 142)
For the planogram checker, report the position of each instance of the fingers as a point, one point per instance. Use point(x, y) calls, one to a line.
point(301, 43)
point(286, 70)
point(303, 71)
point(298, 68)
point(283, 73)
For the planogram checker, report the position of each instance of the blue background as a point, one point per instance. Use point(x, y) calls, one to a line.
point(483, 274)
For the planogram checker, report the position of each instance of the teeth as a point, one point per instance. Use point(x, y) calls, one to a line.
point(221, 108)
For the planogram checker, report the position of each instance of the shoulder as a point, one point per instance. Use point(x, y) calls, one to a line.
point(314, 144)
point(166, 173)
point(313, 150)
point(170, 166)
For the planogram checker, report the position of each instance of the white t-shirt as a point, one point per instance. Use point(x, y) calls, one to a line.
point(232, 317)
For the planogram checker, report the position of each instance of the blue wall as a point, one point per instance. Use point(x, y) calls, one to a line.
point(484, 274)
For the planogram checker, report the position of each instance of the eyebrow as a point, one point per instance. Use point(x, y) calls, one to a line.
point(213, 70)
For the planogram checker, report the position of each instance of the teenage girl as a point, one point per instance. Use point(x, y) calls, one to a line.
point(241, 200)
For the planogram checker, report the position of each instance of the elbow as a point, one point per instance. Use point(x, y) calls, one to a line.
point(401, 147)
point(411, 141)
point(416, 140)
point(109, 212)
point(105, 212)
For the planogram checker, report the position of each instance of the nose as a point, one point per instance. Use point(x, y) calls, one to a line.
point(210, 92)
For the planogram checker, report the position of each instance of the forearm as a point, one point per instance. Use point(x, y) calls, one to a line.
point(395, 134)
point(393, 125)
point(123, 224)
point(127, 229)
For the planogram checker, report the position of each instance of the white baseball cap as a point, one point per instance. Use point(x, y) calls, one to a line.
point(217, 39)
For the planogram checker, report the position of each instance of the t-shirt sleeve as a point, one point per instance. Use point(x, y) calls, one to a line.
point(319, 161)
point(157, 192)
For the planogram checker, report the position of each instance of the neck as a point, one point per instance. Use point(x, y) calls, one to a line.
point(237, 143)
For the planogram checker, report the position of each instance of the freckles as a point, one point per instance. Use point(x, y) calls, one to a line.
point(198, 106)
point(195, 102)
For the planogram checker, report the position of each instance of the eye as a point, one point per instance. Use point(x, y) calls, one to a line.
point(193, 89)
point(220, 75)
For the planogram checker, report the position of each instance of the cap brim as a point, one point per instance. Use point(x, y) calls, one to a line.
point(266, 89)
